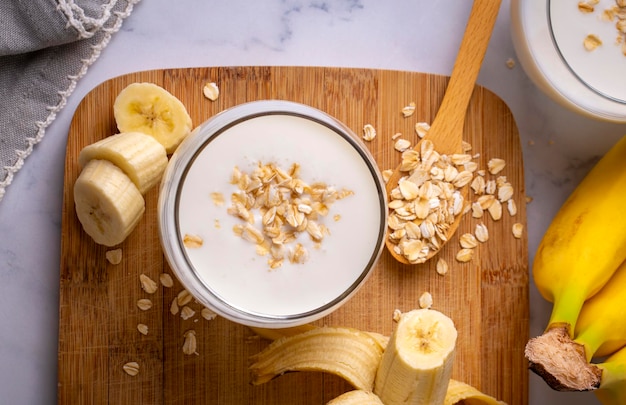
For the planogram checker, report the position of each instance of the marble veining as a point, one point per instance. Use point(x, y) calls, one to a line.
point(559, 147)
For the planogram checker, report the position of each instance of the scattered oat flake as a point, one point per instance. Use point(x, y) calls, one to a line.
point(369, 132)
point(495, 210)
point(511, 206)
point(468, 241)
point(408, 110)
point(396, 136)
point(585, 7)
point(465, 255)
point(183, 297)
point(211, 91)
point(425, 300)
point(510, 63)
point(190, 343)
point(144, 304)
point(217, 198)
point(518, 230)
point(421, 128)
point(192, 241)
point(481, 232)
point(402, 144)
point(174, 308)
point(397, 314)
point(187, 313)
point(142, 328)
point(166, 280)
point(148, 284)
point(387, 174)
point(131, 368)
point(442, 266)
point(114, 256)
point(477, 210)
point(591, 42)
point(208, 314)
point(496, 165)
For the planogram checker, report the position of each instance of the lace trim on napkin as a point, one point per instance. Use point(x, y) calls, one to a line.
point(81, 22)
point(77, 19)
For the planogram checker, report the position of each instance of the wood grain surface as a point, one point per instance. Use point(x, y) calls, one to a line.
point(487, 298)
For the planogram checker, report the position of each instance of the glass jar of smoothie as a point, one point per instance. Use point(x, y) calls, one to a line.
point(227, 256)
point(574, 52)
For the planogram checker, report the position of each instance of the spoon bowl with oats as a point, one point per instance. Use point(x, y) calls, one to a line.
point(427, 190)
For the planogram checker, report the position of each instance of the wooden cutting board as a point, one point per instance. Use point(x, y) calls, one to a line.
point(487, 298)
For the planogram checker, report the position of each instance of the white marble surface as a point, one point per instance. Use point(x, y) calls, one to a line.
point(559, 147)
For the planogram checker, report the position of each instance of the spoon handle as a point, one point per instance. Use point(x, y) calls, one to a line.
point(450, 117)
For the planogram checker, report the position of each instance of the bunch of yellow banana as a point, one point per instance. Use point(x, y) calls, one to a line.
point(580, 267)
point(118, 170)
point(411, 367)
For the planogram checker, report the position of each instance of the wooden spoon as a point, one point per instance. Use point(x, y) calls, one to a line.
point(446, 131)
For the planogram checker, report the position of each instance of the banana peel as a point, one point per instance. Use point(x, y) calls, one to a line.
point(346, 352)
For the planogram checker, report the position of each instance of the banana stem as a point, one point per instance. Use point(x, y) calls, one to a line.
point(590, 339)
point(566, 308)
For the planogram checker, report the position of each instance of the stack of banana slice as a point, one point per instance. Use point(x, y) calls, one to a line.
point(119, 170)
point(412, 367)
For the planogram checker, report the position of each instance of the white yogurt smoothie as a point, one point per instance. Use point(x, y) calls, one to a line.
point(603, 68)
point(240, 280)
point(549, 36)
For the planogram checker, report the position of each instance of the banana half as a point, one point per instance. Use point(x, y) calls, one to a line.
point(417, 363)
point(107, 202)
point(152, 110)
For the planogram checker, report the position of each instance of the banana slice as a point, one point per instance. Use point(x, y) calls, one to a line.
point(417, 363)
point(107, 202)
point(459, 391)
point(148, 108)
point(356, 397)
point(140, 156)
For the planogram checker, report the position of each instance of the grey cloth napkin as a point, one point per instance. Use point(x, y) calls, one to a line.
point(46, 46)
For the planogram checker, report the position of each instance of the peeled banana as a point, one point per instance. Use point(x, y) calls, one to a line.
point(580, 251)
point(612, 389)
point(417, 363)
point(140, 156)
point(152, 110)
point(346, 352)
point(107, 202)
